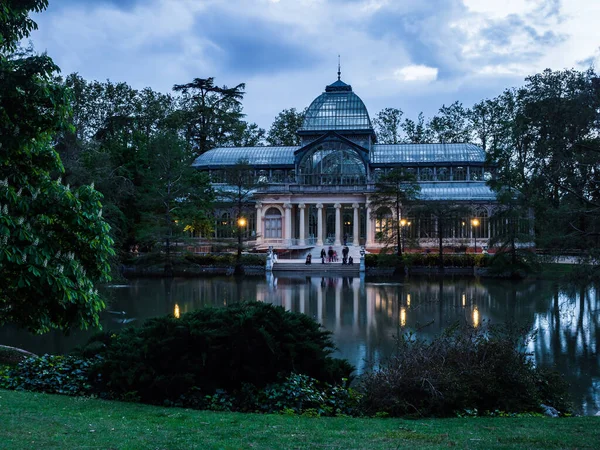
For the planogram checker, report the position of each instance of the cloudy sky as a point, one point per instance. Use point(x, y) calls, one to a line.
point(411, 54)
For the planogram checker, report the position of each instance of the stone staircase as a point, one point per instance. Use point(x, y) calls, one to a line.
point(298, 265)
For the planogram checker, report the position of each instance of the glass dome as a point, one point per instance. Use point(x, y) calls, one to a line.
point(338, 108)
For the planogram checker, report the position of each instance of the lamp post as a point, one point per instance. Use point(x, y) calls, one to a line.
point(474, 225)
point(403, 223)
point(241, 223)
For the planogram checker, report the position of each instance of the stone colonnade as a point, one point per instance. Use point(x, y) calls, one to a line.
point(292, 211)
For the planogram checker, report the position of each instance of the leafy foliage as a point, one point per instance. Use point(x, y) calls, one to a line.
point(66, 375)
point(284, 128)
point(54, 244)
point(394, 191)
point(213, 349)
point(463, 369)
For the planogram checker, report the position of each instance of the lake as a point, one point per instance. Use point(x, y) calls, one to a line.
point(365, 315)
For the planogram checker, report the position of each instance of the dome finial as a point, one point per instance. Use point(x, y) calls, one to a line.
point(339, 68)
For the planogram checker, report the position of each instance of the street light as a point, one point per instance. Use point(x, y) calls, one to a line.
point(475, 224)
point(242, 222)
point(403, 223)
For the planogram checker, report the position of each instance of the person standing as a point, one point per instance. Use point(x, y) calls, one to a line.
point(323, 255)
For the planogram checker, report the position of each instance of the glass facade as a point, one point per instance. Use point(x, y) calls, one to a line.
point(338, 108)
point(333, 163)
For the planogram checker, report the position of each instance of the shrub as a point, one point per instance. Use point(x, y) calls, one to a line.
point(370, 260)
point(296, 395)
point(214, 348)
point(463, 369)
point(51, 374)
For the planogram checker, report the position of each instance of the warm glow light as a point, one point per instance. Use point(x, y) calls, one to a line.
point(464, 300)
point(475, 222)
point(407, 299)
point(475, 317)
point(402, 316)
point(176, 312)
point(403, 222)
point(242, 222)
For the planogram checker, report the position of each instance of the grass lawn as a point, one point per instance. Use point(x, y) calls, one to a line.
point(42, 421)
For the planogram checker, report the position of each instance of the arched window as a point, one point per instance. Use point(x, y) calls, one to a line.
point(273, 224)
point(426, 174)
point(278, 176)
point(442, 174)
point(459, 174)
point(332, 163)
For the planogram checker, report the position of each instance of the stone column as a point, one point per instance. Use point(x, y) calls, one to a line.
point(287, 233)
point(302, 237)
point(369, 231)
point(356, 226)
point(319, 224)
point(338, 224)
point(259, 224)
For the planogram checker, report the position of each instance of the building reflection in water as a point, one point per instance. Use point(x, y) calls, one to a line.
point(365, 317)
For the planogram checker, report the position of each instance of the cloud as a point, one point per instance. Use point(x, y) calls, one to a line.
point(412, 54)
point(416, 73)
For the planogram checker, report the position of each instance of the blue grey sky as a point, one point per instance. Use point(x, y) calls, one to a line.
point(410, 54)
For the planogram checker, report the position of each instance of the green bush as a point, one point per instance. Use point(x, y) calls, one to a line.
point(296, 395)
point(370, 260)
point(214, 348)
point(450, 260)
point(51, 374)
point(463, 369)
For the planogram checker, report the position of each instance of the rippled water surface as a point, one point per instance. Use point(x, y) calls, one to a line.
point(366, 315)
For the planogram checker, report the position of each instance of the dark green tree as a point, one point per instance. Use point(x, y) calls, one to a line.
point(451, 124)
point(416, 132)
point(54, 244)
point(395, 190)
point(445, 216)
point(284, 127)
point(388, 126)
point(237, 195)
point(175, 198)
point(210, 113)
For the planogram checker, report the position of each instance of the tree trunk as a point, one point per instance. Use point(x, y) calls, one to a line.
point(441, 244)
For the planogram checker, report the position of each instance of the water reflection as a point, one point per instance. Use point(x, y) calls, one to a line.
point(366, 315)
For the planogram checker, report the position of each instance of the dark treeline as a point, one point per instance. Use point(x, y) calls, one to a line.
point(544, 139)
point(137, 147)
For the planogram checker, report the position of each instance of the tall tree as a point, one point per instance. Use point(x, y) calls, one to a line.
point(237, 195)
point(54, 244)
point(395, 190)
point(176, 197)
point(388, 126)
point(210, 111)
point(416, 132)
point(451, 124)
point(284, 128)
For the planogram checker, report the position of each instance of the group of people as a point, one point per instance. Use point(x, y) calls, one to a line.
point(332, 256)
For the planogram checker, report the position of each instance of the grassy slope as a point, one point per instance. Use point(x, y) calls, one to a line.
point(29, 420)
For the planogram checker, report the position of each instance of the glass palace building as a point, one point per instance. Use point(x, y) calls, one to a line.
point(318, 193)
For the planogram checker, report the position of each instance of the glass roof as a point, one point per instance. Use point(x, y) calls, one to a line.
point(382, 154)
point(338, 108)
point(456, 190)
point(256, 156)
point(423, 153)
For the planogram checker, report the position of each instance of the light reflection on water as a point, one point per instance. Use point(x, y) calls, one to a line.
point(365, 316)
